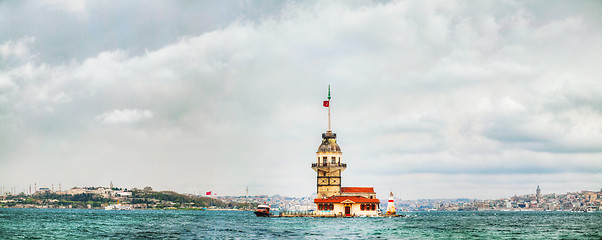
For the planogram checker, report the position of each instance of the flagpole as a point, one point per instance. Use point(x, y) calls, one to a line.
point(329, 107)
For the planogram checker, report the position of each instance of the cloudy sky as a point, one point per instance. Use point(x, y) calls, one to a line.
point(437, 99)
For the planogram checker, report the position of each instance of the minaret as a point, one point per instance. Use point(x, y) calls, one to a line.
point(328, 165)
point(538, 194)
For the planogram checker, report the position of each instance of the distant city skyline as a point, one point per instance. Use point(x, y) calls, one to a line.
point(9, 190)
point(442, 99)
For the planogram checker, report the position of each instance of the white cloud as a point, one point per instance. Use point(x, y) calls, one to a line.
point(559, 28)
point(20, 49)
point(436, 88)
point(124, 116)
point(6, 84)
point(77, 7)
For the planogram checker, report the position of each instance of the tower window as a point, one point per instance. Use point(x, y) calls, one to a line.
point(324, 160)
point(334, 160)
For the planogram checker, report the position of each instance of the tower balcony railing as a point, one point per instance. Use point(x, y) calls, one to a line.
point(329, 165)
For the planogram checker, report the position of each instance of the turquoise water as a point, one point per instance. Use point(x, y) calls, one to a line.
point(86, 224)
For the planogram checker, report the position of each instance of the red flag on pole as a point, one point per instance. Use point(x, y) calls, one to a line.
point(208, 193)
point(326, 103)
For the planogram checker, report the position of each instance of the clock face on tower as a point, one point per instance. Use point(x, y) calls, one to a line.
point(335, 181)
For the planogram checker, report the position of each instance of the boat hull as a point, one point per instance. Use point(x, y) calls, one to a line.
point(262, 214)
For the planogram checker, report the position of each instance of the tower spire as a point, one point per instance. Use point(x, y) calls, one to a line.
point(329, 107)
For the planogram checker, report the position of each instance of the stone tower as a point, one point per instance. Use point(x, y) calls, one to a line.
point(328, 165)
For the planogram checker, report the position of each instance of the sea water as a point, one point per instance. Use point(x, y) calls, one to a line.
point(173, 224)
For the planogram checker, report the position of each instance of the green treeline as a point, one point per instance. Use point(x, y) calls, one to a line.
point(182, 201)
point(141, 199)
point(56, 200)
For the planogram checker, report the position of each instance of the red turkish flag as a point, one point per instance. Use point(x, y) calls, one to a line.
point(208, 193)
point(326, 103)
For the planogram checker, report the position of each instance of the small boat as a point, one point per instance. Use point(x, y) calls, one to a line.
point(118, 206)
point(262, 211)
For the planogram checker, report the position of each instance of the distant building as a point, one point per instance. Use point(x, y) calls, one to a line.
point(76, 191)
point(124, 194)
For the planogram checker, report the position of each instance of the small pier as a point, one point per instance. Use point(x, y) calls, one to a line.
point(308, 214)
point(326, 215)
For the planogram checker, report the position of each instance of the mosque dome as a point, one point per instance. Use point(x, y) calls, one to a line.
point(329, 143)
